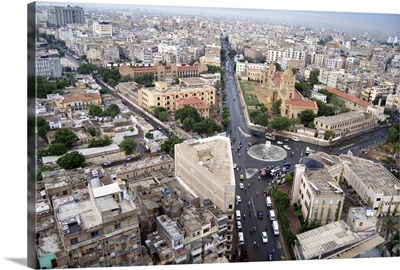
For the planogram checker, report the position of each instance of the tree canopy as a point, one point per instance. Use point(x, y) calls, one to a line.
point(280, 123)
point(71, 160)
point(169, 145)
point(65, 136)
point(129, 146)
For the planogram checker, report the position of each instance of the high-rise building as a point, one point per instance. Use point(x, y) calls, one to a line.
point(59, 15)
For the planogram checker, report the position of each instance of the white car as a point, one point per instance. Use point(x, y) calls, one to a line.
point(296, 139)
point(264, 237)
point(238, 199)
point(234, 166)
point(241, 185)
point(286, 147)
point(239, 224)
point(279, 142)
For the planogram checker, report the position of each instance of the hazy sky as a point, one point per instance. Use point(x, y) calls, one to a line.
point(371, 21)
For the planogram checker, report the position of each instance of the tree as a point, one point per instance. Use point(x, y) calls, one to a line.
point(314, 76)
point(389, 224)
point(393, 134)
point(280, 123)
point(129, 146)
point(329, 134)
point(169, 145)
point(42, 126)
point(276, 107)
point(86, 68)
point(65, 136)
point(163, 116)
point(71, 160)
point(94, 110)
point(307, 116)
point(57, 149)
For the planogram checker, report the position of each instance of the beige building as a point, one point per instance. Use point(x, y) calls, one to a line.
point(282, 86)
point(345, 124)
point(166, 96)
point(317, 192)
point(393, 101)
point(102, 29)
point(205, 166)
point(374, 184)
point(97, 224)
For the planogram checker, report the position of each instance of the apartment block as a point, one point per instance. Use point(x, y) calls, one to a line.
point(166, 96)
point(60, 15)
point(317, 192)
point(205, 166)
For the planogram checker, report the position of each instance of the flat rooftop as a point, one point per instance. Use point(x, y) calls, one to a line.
point(326, 239)
point(343, 117)
point(376, 176)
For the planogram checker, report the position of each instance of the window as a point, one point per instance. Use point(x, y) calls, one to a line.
point(94, 234)
point(117, 226)
point(74, 241)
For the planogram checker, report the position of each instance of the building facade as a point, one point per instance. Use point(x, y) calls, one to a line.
point(59, 15)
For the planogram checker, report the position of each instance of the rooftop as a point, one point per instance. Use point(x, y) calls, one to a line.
point(326, 239)
point(376, 176)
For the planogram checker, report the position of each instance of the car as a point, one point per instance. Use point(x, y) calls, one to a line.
point(296, 139)
point(234, 166)
point(286, 147)
point(260, 214)
point(264, 237)
point(239, 224)
point(279, 142)
point(159, 128)
point(241, 185)
point(238, 199)
point(106, 163)
point(241, 177)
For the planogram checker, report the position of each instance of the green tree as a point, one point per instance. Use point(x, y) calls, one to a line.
point(314, 76)
point(94, 110)
point(329, 134)
point(71, 160)
point(86, 68)
point(42, 126)
point(65, 136)
point(280, 123)
point(307, 116)
point(57, 149)
point(169, 145)
point(163, 116)
point(129, 146)
point(393, 134)
point(276, 107)
point(389, 224)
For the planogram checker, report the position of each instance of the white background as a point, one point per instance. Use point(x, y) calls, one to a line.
point(13, 228)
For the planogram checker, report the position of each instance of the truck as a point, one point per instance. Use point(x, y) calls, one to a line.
point(270, 136)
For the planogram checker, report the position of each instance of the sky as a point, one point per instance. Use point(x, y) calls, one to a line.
point(14, 121)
